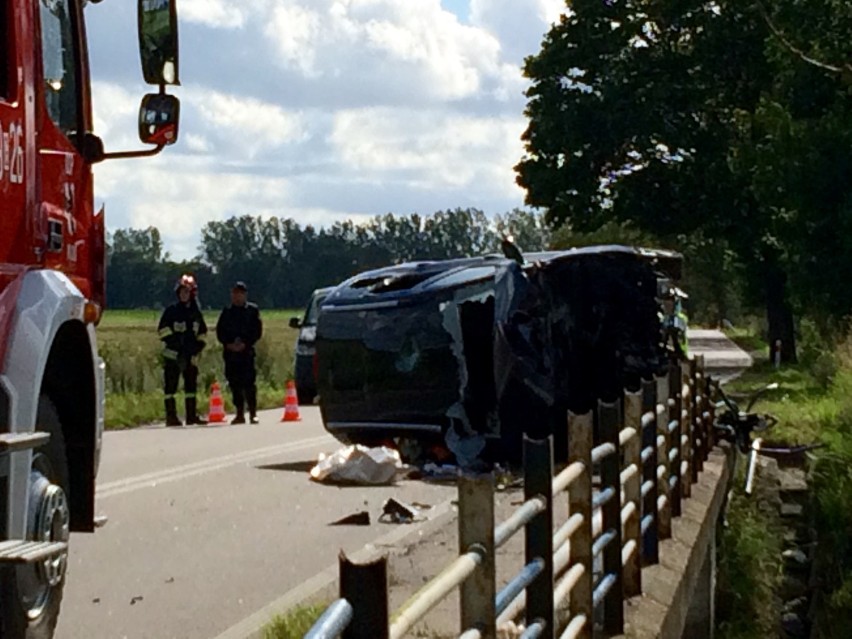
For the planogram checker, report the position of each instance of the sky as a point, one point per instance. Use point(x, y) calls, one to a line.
point(318, 110)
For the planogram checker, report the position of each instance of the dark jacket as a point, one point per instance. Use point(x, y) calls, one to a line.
point(239, 322)
point(182, 330)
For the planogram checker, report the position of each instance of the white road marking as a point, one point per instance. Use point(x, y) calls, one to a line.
point(150, 480)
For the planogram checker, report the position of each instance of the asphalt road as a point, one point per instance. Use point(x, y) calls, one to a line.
point(208, 525)
point(722, 358)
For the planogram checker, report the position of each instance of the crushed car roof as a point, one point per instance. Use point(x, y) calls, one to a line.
point(415, 278)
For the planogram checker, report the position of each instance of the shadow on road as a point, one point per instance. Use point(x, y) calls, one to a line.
point(292, 467)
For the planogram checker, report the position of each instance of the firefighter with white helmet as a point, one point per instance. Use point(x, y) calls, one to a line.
point(182, 331)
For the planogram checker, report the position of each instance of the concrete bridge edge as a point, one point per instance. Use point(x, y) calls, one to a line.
point(677, 601)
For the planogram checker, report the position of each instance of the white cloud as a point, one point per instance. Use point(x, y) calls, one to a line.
point(256, 125)
point(428, 150)
point(294, 30)
point(115, 112)
point(320, 110)
point(220, 14)
point(390, 46)
point(197, 143)
point(518, 24)
point(180, 201)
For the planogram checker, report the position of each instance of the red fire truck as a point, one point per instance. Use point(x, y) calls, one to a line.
point(52, 286)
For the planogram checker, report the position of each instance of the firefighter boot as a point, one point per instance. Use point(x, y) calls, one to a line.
point(251, 400)
point(171, 413)
point(192, 414)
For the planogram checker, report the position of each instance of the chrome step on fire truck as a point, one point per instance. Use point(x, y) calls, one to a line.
point(52, 286)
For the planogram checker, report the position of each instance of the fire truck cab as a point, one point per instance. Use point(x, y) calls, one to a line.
point(52, 286)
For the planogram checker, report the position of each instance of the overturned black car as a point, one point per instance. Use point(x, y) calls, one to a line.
point(472, 353)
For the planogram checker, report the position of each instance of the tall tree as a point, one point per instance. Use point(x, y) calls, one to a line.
point(529, 230)
point(459, 233)
point(637, 111)
point(135, 267)
point(145, 245)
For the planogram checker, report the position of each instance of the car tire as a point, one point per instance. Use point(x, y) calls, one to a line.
point(16, 620)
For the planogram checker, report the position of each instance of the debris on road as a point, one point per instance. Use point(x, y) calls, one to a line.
point(136, 599)
point(396, 512)
point(358, 465)
point(443, 472)
point(361, 518)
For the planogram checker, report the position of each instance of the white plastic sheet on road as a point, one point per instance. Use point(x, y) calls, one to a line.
point(359, 465)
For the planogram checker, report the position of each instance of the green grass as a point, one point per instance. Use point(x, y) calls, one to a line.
point(748, 339)
point(804, 408)
point(813, 404)
point(128, 342)
point(749, 569)
point(294, 624)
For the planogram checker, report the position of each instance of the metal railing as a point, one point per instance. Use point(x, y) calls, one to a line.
point(630, 465)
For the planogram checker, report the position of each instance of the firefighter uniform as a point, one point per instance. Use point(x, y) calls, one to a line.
point(182, 330)
point(238, 329)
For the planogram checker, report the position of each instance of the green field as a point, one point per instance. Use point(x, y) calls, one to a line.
point(130, 347)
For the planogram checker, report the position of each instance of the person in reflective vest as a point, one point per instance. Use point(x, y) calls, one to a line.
point(182, 330)
point(676, 321)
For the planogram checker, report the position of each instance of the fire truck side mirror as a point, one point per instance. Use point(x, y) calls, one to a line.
point(159, 115)
point(158, 41)
point(92, 148)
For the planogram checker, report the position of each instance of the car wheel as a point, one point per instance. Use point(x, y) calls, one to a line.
point(32, 593)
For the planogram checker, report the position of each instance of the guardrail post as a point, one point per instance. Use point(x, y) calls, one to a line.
point(580, 502)
point(685, 472)
point(711, 410)
point(688, 424)
point(664, 503)
point(699, 434)
point(633, 494)
point(538, 479)
point(365, 587)
point(650, 541)
point(476, 528)
point(675, 444)
point(610, 420)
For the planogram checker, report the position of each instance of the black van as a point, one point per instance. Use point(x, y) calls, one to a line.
point(480, 350)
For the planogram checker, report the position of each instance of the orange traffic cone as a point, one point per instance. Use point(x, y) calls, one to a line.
point(216, 413)
point(291, 404)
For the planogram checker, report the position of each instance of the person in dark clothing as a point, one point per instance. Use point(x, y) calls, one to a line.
point(182, 330)
point(238, 329)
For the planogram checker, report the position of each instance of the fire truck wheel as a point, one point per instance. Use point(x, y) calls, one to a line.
point(32, 593)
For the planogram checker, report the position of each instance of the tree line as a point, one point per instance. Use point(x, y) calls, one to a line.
point(282, 262)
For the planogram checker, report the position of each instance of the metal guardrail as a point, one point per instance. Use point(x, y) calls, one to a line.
point(646, 451)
